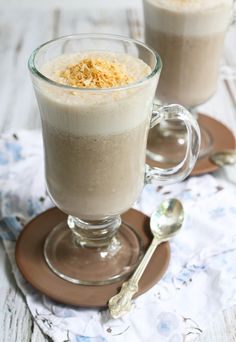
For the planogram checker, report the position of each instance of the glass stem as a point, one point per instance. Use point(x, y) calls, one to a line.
point(93, 233)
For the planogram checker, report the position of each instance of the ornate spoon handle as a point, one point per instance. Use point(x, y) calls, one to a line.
point(120, 304)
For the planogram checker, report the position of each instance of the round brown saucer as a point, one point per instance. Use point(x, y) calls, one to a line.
point(222, 138)
point(30, 260)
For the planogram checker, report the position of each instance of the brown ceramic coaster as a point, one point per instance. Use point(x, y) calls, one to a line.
point(222, 138)
point(30, 260)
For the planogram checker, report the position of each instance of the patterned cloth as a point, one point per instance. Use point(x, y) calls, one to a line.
point(200, 280)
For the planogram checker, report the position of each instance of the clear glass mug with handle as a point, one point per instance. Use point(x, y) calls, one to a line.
point(94, 146)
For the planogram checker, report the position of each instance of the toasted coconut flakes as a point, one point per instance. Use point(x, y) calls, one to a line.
point(96, 73)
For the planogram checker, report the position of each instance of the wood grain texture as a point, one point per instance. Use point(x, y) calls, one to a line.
point(16, 323)
point(21, 32)
point(222, 328)
point(71, 4)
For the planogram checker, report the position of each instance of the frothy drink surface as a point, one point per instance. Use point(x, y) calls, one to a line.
point(95, 141)
point(189, 36)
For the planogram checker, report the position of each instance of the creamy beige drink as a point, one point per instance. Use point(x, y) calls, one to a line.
point(188, 35)
point(95, 141)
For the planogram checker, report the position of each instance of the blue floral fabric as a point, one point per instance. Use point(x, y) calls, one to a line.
point(201, 277)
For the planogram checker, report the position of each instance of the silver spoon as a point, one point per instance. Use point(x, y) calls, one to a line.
point(224, 157)
point(165, 222)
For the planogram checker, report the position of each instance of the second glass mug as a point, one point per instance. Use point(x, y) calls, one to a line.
point(190, 37)
point(94, 146)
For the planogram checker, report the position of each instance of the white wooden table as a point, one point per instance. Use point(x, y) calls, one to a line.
point(21, 30)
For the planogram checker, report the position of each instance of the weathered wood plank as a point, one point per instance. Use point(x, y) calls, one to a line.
point(18, 105)
point(72, 4)
point(222, 329)
point(16, 323)
point(93, 21)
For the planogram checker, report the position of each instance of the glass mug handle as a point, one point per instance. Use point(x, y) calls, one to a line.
point(182, 170)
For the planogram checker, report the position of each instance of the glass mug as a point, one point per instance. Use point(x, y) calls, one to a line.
point(94, 146)
point(189, 36)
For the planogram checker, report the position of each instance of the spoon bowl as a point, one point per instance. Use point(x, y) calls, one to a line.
point(167, 219)
point(223, 158)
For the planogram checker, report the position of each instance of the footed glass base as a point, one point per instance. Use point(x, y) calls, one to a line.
point(90, 265)
point(168, 145)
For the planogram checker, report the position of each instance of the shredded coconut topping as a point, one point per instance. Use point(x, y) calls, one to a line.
point(96, 73)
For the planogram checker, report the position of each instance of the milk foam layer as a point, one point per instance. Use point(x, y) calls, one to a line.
point(83, 112)
point(188, 17)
